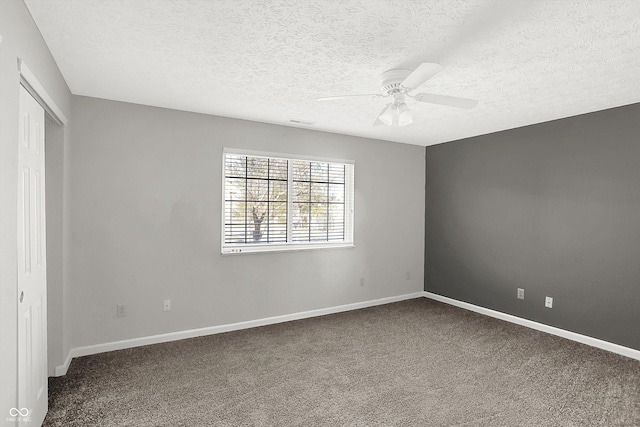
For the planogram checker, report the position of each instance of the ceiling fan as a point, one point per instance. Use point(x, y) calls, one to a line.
point(398, 83)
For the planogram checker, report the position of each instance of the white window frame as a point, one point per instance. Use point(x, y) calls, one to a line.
point(244, 248)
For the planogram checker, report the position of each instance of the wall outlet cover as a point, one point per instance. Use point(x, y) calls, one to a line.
point(548, 302)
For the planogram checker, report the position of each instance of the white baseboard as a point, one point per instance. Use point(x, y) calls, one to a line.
point(174, 336)
point(594, 342)
point(62, 369)
point(191, 333)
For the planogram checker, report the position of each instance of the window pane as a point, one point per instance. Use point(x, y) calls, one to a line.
point(336, 213)
point(300, 235)
point(319, 212)
point(235, 234)
point(257, 167)
point(336, 172)
point(301, 170)
point(300, 214)
point(318, 228)
point(335, 225)
point(319, 172)
point(301, 191)
point(256, 213)
point(234, 212)
point(277, 226)
point(336, 193)
point(235, 165)
point(278, 169)
point(257, 189)
point(318, 232)
point(336, 234)
point(234, 188)
point(319, 193)
point(278, 191)
point(300, 226)
point(234, 222)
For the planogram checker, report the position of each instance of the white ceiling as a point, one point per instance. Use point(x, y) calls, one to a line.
point(526, 61)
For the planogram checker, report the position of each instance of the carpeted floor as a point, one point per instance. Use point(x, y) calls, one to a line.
point(412, 363)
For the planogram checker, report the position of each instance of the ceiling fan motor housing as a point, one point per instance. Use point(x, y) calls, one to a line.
point(390, 80)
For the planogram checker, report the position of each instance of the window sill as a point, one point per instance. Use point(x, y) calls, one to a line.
point(292, 247)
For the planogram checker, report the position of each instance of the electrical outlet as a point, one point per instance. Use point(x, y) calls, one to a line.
point(120, 312)
point(362, 281)
point(167, 305)
point(407, 275)
point(520, 293)
point(548, 302)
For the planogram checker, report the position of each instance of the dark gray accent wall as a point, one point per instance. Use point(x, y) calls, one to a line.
point(553, 208)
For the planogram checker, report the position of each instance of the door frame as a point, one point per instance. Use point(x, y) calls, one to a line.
point(33, 86)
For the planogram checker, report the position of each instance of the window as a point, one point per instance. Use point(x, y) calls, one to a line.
point(276, 202)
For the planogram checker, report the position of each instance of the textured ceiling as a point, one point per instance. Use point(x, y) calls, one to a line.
point(268, 60)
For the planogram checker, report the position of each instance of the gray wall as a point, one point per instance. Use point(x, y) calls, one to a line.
point(21, 39)
point(553, 208)
point(144, 217)
point(54, 174)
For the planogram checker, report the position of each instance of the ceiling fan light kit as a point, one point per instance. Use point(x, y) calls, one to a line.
point(398, 83)
point(405, 116)
point(386, 117)
point(396, 114)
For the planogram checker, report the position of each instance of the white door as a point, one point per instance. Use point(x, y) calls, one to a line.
point(32, 277)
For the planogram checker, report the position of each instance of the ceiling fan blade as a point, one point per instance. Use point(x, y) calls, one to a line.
point(421, 74)
point(450, 101)
point(333, 98)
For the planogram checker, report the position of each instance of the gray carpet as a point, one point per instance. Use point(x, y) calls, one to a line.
point(412, 363)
